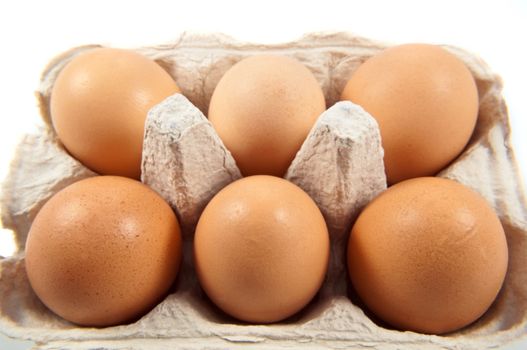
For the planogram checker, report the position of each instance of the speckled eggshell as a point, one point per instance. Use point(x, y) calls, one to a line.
point(103, 251)
point(428, 255)
point(261, 249)
point(425, 101)
point(263, 108)
point(99, 104)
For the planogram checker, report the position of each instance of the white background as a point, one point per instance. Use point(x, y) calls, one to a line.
point(31, 33)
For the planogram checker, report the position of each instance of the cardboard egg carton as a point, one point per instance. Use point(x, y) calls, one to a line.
point(339, 165)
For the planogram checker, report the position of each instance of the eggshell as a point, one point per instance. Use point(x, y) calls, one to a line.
point(428, 255)
point(103, 251)
point(99, 104)
point(263, 108)
point(261, 249)
point(426, 103)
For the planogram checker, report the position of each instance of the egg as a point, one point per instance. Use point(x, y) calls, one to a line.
point(99, 104)
point(263, 108)
point(103, 251)
point(428, 255)
point(425, 101)
point(261, 249)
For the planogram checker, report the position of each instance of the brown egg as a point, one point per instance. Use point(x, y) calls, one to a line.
point(426, 103)
point(263, 108)
point(428, 255)
point(103, 251)
point(261, 249)
point(99, 104)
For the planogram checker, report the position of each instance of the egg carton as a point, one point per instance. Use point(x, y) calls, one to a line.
point(339, 165)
